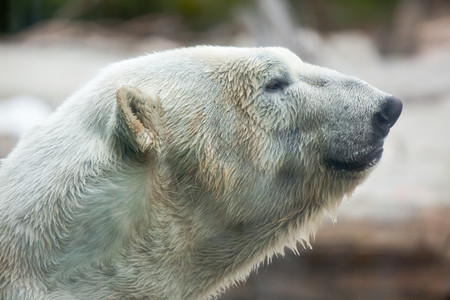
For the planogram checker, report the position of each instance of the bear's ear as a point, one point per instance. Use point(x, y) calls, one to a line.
point(139, 119)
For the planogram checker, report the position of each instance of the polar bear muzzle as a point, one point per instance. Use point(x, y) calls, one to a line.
point(363, 159)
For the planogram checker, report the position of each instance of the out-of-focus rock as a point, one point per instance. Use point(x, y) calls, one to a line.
point(434, 35)
point(19, 114)
point(401, 35)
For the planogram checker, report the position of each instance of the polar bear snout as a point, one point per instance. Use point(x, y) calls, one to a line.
point(389, 113)
point(358, 152)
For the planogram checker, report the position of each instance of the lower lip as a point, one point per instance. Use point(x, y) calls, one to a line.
point(362, 164)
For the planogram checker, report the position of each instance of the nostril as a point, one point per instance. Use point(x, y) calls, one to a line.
point(386, 117)
point(390, 112)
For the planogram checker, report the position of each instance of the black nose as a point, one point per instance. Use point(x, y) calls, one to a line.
point(388, 114)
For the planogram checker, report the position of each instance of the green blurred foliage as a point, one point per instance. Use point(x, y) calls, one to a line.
point(16, 15)
point(326, 15)
point(202, 13)
point(198, 14)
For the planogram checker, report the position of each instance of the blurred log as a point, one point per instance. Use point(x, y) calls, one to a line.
point(400, 36)
point(274, 25)
point(362, 259)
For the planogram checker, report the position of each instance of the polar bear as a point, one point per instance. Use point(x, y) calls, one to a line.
point(173, 175)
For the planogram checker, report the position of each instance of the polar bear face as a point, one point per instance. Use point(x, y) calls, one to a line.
point(265, 133)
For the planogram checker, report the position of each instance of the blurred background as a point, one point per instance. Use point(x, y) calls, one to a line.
point(392, 238)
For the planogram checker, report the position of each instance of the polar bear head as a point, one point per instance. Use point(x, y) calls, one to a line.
point(174, 174)
point(262, 133)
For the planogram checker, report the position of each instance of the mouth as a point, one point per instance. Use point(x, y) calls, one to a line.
point(358, 163)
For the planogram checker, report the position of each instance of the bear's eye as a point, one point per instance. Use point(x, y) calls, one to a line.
point(276, 85)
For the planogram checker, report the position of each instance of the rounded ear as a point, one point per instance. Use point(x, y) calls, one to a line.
point(139, 118)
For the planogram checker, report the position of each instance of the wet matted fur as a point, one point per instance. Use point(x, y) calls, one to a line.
point(173, 175)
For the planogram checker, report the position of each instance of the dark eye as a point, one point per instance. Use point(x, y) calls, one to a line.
point(275, 85)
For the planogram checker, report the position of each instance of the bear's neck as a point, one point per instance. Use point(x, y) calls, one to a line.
point(194, 253)
point(128, 236)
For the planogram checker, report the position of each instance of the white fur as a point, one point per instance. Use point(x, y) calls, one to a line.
point(175, 174)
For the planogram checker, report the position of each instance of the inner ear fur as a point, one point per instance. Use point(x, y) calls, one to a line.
point(139, 118)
